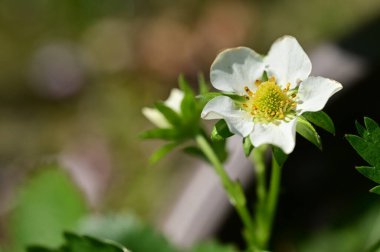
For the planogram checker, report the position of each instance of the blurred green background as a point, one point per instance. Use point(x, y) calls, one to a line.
point(75, 74)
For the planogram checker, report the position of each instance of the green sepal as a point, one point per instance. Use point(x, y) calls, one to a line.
point(189, 110)
point(170, 115)
point(219, 148)
point(204, 87)
point(376, 190)
point(220, 131)
point(264, 77)
point(247, 146)
point(160, 133)
point(204, 98)
point(161, 152)
point(305, 129)
point(278, 156)
point(321, 119)
point(77, 243)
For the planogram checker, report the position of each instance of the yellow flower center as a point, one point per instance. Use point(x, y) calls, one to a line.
point(270, 103)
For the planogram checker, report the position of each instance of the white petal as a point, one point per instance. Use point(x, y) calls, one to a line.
point(223, 107)
point(175, 99)
point(235, 68)
point(155, 117)
point(314, 93)
point(282, 135)
point(288, 62)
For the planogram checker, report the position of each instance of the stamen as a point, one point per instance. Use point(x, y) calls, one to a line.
point(269, 103)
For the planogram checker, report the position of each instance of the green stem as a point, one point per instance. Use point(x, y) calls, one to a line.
point(233, 190)
point(258, 158)
point(259, 161)
point(266, 199)
point(273, 195)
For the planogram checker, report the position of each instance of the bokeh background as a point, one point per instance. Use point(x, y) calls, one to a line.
point(75, 74)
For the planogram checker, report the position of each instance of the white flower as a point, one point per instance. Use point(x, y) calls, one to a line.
point(173, 102)
point(268, 114)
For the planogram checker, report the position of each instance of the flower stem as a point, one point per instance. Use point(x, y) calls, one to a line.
point(233, 189)
point(273, 195)
point(266, 198)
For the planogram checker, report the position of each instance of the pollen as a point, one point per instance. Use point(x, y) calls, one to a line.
point(270, 103)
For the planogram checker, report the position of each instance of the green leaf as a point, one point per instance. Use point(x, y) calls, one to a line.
point(247, 146)
point(305, 129)
point(370, 172)
point(320, 119)
point(368, 150)
point(220, 131)
point(162, 152)
point(376, 190)
point(46, 205)
point(370, 124)
point(171, 116)
point(160, 133)
point(361, 130)
point(76, 243)
point(279, 156)
point(367, 145)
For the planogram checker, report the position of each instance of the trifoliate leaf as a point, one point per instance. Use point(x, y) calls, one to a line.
point(247, 146)
point(220, 131)
point(320, 119)
point(367, 145)
point(76, 243)
point(305, 129)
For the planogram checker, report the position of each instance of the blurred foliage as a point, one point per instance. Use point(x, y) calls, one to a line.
point(126, 230)
point(76, 243)
point(46, 205)
point(49, 204)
